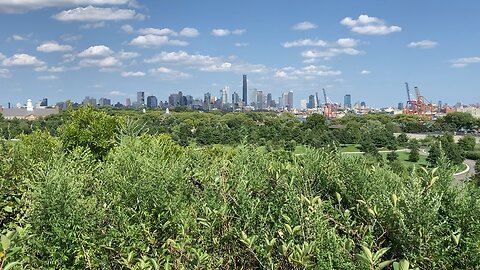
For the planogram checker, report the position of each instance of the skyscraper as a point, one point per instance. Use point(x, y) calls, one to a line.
point(290, 100)
point(44, 102)
point(311, 102)
point(259, 102)
point(245, 89)
point(152, 102)
point(224, 94)
point(140, 98)
point(269, 100)
point(128, 102)
point(347, 101)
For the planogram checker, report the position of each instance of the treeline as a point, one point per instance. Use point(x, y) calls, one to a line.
point(262, 128)
point(105, 194)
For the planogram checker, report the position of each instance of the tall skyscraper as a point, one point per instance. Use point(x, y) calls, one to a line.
point(104, 102)
point(347, 101)
point(290, 100)
point(152, 102)
point(128, 102)
point(259, 102)
point(140, 98)
point(44, 102)
point(224, 94)
point(235, 98)
point(311, 102)
point(269, 100)
point(245, 89)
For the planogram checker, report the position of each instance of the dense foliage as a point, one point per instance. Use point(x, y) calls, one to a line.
point(150, 203)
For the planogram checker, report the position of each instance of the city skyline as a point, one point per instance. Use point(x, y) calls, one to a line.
point(115, 48)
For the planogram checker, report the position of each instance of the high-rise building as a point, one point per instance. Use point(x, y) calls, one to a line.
point(44, 102)
point(290, 100)
point(128, 102)
point(363, 104)
point(89, 101)
point(104, 102)
point(235, 98)
point(311, 102)
point(303, 104)
point(140, 98)
point(224, 95)
point(260, 101)
point(347, 101)
point(174, 100)
point(152, 102)
point(245, 89)
point(269, 100)
point(400, 106)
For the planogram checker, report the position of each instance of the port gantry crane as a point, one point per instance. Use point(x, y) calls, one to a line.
point(421, 106)
point(329, 108)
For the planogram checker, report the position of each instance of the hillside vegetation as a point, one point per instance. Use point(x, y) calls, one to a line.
point(117, 198)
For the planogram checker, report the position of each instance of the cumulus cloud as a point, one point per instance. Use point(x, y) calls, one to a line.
point(47, 78)
point(14, 6)
point(151, 40)
point(305, 42)
point(304, 26)
point(220, 32)
point(347, 42)
point(189, 32)
point(127, 55)
point(369, 25)
point(204, 62)
point(94, 14)
point(53, 46)
point(330, 53)
point(241, 44)
point(19, 37)
point(117, 93)
point(168, 74)
point(423, 44)
point(5, 73)
point(133, 74)
point(365, 72)
point(96, 51)
point(106, 62)
point(157, 31)
point(127, 28)
point(308, 72)
point(22, 59)
point(2, 56)
point(463, 62)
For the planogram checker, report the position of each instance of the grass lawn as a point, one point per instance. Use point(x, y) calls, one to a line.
point(403, 157)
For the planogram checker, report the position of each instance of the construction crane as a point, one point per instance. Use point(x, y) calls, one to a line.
point(411, 107)
point(318, 102)
point(329, 108)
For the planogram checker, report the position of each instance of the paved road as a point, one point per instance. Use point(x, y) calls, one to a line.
point(471, 171)
point(420, 136)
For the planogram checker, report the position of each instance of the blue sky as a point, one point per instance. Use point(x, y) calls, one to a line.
point(69, 49)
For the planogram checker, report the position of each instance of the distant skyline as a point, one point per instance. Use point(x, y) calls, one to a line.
point(69, 49)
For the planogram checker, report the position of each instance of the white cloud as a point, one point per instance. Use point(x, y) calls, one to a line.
point(220, 32)
point(189, 32)
point(127, 55)
point(330, 53)
point(308, 72)
point(57, 69)
point(2, 56)
point(47, 78)
point(239, 32)
point(463, 62)
point(168, 74)
point(423, 44)
point(19, 38)
point(53, 46)
point(133, 74)
point(22, 59)
point(304, 26)
point(204, 62)
point(106, 62)
point(93, 14)
point(156, 41)
point(157, 31)
point(127, 28)
point(117, 93)
point(241, 44)
point(305, 42)
point(93, 25)
point(365, 72)
point(5, 73)
point(369, 25)
point(96, 51)
point(14, 6)
point(347, 42)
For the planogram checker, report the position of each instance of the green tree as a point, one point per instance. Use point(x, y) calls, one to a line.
point(368, 147)
point(467, 143)
point(315, 122)
point(94, 130)
point(392, 156)
point(402, 139)
point(414, 146)
point(434, 154)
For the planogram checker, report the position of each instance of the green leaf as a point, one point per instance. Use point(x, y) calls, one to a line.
point(403, 265)
point(11, 265)
point(384, 264)
point(5, 243)
point(8, 209)
point(368, 253)
point(379, 254)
